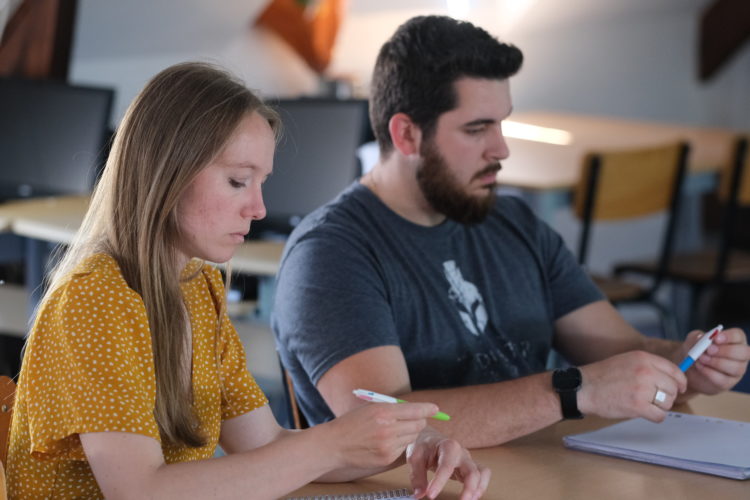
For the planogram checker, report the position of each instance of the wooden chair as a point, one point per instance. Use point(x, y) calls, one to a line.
point(628, 184)
point(296, 417)
point(7, 396)
point(709, 269)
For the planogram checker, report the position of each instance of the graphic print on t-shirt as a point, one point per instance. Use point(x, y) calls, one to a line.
point(467, 298)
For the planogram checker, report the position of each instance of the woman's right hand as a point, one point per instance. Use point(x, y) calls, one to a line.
point(375, 435)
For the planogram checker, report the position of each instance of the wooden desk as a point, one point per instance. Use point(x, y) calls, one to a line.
point(57, 219)
point(538, 466)
point(537, 165)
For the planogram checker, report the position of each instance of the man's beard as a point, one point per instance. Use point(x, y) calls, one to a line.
point(443, 193)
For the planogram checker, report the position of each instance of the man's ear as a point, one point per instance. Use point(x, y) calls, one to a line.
point(405, 134)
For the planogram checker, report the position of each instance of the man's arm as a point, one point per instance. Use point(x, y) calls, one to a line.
point(583, 339)
point(503, 410)
point(490, 414)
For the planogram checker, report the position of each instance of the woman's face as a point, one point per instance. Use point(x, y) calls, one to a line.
point(215, 211)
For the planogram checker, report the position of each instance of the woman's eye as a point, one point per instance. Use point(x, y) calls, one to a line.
point(236, 184)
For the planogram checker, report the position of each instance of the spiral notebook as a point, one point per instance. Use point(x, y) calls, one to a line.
point(402, 494)
point(702, 444)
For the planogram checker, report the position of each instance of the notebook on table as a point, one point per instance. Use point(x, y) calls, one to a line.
point(692, 442)
point(402, 494)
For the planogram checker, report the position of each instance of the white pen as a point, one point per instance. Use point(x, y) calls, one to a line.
point(375, 397)
point(699, 348)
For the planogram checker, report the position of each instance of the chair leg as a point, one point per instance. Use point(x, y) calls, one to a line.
point(668, 321)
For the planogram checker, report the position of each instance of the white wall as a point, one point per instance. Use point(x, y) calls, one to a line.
point(633, 58)
point(640, 65)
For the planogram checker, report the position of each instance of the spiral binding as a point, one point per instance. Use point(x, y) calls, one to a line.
point(378, 495)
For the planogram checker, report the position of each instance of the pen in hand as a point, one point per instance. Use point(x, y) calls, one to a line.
point(374, 397)
point(699, 348)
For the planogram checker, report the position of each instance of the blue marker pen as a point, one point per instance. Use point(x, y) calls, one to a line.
point(699, 348)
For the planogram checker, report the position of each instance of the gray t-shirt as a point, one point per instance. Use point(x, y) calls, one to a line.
point(467, 304)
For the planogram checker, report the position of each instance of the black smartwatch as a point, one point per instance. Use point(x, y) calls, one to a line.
point(566, 383)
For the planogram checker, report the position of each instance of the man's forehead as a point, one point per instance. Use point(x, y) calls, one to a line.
point(481, 99)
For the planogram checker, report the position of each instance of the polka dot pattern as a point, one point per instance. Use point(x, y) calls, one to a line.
point(88, 367)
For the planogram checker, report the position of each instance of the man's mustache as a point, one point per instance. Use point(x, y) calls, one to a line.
point(492, 168)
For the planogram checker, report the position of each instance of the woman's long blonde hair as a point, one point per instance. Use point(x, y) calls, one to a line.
point(174, 128)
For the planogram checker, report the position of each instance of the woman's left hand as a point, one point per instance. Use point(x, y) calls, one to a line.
point(449, 460)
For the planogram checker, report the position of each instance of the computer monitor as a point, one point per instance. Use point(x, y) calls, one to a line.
point(315, 159)
point(52, 136)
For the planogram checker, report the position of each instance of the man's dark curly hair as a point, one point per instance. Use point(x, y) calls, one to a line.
point(416, 69)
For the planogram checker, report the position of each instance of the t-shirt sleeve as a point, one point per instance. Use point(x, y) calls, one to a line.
point(89, 367)
point(330, 303)
point(240, 392)
point(570, 287)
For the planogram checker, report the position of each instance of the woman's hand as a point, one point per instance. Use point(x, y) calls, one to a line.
point(377, 434)
point(449, 460)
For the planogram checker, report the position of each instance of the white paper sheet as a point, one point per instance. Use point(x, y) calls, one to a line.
point(703, 444)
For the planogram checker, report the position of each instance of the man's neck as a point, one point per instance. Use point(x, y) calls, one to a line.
point(394, 182)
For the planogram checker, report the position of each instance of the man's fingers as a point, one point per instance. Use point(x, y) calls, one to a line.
point(726, 366)
point(676, 377)
point(654, 413)
point(718, 379)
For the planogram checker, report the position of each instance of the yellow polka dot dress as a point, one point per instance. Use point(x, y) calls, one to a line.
point(88, 367)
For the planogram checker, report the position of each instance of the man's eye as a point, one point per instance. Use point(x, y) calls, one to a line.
point(236, 184)
point(475, 130)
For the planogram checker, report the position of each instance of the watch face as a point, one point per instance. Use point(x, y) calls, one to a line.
point(568, 379)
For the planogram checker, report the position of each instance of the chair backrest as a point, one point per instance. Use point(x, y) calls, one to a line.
point(734, 182)
point(628, 184)
point(734, 192)
point(7, 397)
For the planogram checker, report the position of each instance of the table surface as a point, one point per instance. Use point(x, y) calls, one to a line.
point(537, 165)
point(538, 466)
point(56, 219)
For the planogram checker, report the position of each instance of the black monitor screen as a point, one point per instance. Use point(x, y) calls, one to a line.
point(52, 136)
point(315, 159)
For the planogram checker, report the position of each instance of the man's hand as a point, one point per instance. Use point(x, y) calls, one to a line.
point(721, 366)
point(449, 460)
point(625, 386)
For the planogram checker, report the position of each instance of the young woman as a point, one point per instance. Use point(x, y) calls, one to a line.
point(133, 373)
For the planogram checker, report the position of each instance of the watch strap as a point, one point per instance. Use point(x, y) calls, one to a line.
point(569, 405)
point(561, 381)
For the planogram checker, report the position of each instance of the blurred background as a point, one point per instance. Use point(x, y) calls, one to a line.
point(613, 68)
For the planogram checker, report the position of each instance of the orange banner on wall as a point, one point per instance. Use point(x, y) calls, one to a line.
point(308, 26)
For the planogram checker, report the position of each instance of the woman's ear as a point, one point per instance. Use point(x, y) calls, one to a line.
point(405, 134)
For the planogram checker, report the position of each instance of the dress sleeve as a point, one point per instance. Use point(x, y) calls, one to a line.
point(240, 392)
point(90, 367)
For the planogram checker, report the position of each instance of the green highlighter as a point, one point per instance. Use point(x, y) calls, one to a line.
point(374, 397)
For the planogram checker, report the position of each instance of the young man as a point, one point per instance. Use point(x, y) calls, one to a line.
point(418, 281)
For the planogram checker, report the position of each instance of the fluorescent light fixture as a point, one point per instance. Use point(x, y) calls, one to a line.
point(535, 133)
